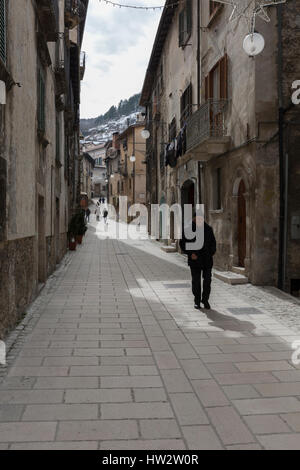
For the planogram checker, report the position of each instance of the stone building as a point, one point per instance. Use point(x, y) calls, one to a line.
point(86, 175)
point(98, 152)
point(39, 143)
point(126, 166)
point(240, 132)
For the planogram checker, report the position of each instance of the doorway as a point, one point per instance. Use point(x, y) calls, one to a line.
point(242, 225)
point(188, 196)
point(41, 241)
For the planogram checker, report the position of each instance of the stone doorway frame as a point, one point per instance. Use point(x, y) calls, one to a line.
point(241, 175)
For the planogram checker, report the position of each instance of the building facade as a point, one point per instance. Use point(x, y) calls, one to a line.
point(39, 133)
point(225, 133)
point(86, 175)
point(98, 152)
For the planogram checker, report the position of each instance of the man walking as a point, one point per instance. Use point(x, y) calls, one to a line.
point(200, 261)
point(105, 214)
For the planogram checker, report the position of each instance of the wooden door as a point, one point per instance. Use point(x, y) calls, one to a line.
point(242, 230)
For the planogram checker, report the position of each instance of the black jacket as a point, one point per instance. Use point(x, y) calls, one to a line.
point(205, 255)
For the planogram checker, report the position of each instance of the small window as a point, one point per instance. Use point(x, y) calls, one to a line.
point(217, 189)
point(186, 103)
point(172, 130)
point(216, 82)
point(185, 23)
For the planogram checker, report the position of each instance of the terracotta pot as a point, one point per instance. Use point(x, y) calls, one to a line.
point(79, 239)
point(72, 244)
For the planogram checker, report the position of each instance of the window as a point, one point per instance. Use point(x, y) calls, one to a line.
point(185, 23)
point(57, 138)
point(216, 82)
point(41, 101)
point(3, 30)
point(186, 102)
point(217, 189)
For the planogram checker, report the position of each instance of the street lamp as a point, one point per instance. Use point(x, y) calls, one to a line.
point(145, 134)
point(132, 159)
point(254, 44)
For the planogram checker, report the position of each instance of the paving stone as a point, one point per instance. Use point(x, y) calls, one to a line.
point(229, 426)
point(235, 392)
point(279, 389)
point(143, 370)
point(293, 420)
point(161, 444)
point(30, 396)
point(27, 432)
point(131, 382)
point(60, 383)
point(263, 366)
point(149, 394)
point(99, 352)
point(18, 383)
point(38, 371)
point(201, 438)
point(98, 396)
point(159, 429)
point(288, 376)
point(245, 378)
point(136, 411)
point(166, 360)
point(71, 361)
point(95, 430)
point(130, 361)
point(244, 447)
point(224, 358)
point(210, 393)
point(98, 371)
point(268, 424)
point(267, 405)
point(195, 369)
point(60, 412)
point(188, 409)
point(280, 442)
point(11, 412)
point(175, 381)
point(55, 446)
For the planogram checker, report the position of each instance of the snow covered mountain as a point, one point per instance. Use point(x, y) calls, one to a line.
point(116, 119)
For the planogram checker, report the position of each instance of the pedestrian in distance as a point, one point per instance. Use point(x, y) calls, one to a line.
point(87, 214)
point(105, 214)
point(97, 212)
point(200, 261)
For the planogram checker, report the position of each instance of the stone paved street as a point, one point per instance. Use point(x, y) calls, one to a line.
point(114, 356)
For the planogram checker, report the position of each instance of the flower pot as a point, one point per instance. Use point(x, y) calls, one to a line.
point(72, 244)
point(79, 239)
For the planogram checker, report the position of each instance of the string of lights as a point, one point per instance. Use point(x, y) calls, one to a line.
point(140, 7)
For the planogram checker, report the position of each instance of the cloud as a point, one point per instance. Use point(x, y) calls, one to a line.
point(118, 43)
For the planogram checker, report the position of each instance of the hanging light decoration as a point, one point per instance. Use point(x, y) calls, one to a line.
point(254, 43)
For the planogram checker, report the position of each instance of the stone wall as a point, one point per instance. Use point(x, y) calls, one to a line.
point(18, 280)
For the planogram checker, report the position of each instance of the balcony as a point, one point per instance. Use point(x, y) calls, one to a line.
point(206, 131)
point(82, 65)
point(48, 13)
point(62, 66)
point(72, 13)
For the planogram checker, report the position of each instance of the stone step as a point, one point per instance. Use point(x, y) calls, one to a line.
point(238, 270)
point(231, 278)
point(169, 249)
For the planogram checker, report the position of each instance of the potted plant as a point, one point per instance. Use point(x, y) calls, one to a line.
point(72, 233)
point(81, 227)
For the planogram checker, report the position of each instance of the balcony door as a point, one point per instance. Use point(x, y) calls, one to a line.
point(215, 93)
point(242, 224)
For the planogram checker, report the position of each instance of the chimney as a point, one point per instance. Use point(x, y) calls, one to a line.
point(115, 142)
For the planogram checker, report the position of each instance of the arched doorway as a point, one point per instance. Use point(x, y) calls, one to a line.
point(188, 195)
point(242, 224)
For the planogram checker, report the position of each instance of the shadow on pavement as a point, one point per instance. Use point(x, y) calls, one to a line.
point(228, 323)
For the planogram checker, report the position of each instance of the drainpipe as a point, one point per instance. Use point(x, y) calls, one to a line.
point(198, 86)
point(282, 164)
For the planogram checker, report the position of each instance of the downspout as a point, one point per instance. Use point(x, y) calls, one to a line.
point(199, 87)
point(282, 184)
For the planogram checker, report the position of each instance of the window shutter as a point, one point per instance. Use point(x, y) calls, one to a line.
point(207, 88)
point(41, 101)
point(224, 77)
point(3, 30)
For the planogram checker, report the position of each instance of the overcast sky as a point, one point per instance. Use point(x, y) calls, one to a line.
point(118, 44)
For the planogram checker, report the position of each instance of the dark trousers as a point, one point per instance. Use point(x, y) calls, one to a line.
point(196, 284)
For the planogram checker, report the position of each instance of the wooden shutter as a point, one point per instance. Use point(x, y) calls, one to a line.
point(224, 77)
point(41, 101)
point(3, 30)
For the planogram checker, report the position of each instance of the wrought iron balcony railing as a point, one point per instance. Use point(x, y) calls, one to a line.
point(62, 65)
point(208, 122)
point(72, 9)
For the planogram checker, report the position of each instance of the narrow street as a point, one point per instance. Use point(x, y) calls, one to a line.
point(114, 356)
